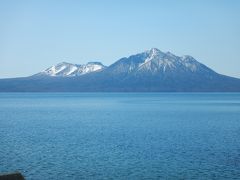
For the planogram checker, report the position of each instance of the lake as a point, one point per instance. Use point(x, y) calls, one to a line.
point(120, 135)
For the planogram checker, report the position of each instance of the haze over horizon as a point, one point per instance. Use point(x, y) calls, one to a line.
point(35, 35)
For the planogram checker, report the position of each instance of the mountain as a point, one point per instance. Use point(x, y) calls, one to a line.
point(65, 69)
point(149, 71)
point(157, 63)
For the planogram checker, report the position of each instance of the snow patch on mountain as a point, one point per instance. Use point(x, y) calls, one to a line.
point(65, 69)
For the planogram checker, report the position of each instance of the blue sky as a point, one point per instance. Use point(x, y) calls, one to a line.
point(37, 34)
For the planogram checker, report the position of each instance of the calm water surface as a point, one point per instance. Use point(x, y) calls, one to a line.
point(120, 135)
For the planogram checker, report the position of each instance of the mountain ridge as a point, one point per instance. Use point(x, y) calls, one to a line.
point(148, 71)
point(65, 69)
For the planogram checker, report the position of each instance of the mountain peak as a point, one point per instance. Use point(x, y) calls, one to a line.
point(154, 51)
point(156, 62)
point(65, 69)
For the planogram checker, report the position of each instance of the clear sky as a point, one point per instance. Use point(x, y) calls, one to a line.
point(37, 34)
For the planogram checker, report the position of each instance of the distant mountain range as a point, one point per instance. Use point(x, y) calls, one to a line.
point(149, 71)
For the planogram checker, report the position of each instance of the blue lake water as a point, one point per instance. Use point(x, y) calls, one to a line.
point(120, 135)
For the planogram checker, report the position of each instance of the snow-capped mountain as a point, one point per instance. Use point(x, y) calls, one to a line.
point(151, 70)
point(151, 62)
point(65, 69)
point(156, 62)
